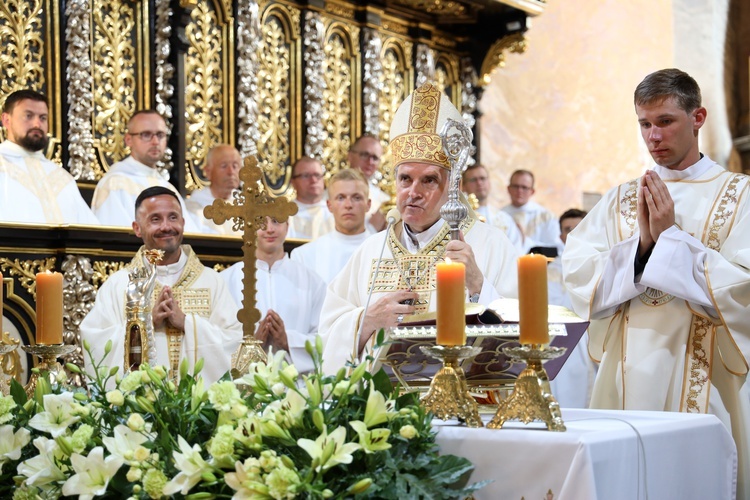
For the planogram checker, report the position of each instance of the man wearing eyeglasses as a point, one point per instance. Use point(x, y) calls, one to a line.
point(116, 192)
point(538, 225)
point(365, 155)
point(32, 188)
point(313, 218)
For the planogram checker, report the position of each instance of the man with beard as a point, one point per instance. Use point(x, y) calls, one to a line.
point(117, 190)
point(32, 188)
point(194, 315)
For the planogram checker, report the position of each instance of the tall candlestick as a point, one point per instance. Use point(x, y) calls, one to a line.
point(49, 308)
point(532, 299)
point(451, 301)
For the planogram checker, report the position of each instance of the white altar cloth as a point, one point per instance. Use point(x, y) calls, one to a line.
point(680, 456)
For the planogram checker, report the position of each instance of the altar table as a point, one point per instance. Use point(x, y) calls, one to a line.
point(604, 454)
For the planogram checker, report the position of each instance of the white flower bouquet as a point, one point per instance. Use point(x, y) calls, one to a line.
point(270, 434)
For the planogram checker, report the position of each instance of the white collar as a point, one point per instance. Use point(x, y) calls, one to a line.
point(694, 171)
point(168, 274)
point(13, 149)
point(414, 241)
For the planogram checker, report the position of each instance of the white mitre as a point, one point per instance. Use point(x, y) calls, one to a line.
point(416, 126)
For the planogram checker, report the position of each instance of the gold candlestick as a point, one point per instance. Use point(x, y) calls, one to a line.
point(449, 396)
point(5, 382)
point(48, 355)
point(531, 399)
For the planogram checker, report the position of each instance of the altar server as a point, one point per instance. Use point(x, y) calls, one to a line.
point(312, 218)
point(661, 266)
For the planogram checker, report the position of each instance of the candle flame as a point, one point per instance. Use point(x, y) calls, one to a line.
point(448, 260)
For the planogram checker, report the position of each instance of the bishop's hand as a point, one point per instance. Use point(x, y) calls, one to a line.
point(387, 312)
point(460, 251)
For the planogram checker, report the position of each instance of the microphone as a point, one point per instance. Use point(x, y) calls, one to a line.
point(392, 217)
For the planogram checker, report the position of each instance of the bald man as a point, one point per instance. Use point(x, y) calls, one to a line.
point(222, 170)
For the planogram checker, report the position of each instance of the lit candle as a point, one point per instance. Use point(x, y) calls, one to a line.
point(532, 299)
point(451, 300)
point(49, 308)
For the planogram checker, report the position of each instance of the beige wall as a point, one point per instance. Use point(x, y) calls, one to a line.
point(564, 108)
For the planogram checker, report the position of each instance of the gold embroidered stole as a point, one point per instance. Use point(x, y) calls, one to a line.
point(700, 344)
point(45, 187)
point(415, 271)
point(195, 301)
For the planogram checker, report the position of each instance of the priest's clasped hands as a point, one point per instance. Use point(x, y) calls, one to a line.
point(168, 310)
point(655, 210)
point(271, 331)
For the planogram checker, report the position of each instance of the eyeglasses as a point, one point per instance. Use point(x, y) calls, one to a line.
point(308, 176)
point(148, 135)
point(366, 156)
point(520, 188)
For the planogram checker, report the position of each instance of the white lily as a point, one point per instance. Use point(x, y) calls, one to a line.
point(93, 474)
point(124, 443)
point(371, 440)
point(42, 469)
point(12, 443)
point(59, 414)
point(329, 450)
point(376, 411)
point(191, 465)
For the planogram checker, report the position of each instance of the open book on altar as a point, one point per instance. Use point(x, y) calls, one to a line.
point(492, 328)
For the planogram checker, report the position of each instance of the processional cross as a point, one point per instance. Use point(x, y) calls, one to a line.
point(252, 204)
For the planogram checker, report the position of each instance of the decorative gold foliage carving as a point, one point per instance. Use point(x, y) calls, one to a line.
point(204, 91)
point(26, 270)
point(113, 65)
point(22, 53)
point(495, 57)
point(440, 7)
point(337, 103)
point(104, 269)
point(393, 91)
point(274, 100)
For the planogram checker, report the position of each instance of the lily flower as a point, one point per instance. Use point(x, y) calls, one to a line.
point(93, 474)
point(191, 465)
point(376, 411)
point(246, 481)
point(329, 450)
point(59, 414)
point(42, 469)
point(371, 440)
point(12, 443)
point(124, 443)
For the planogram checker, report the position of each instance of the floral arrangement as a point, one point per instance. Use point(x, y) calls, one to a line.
point(269, 434)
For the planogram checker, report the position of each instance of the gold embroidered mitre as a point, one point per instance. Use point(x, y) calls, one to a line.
point(416, 127)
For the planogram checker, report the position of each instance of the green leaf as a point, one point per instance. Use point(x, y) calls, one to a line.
point(18, 392)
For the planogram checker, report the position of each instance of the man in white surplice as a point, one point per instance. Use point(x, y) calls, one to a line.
point(289, 296)
point(660, 266)
point(117, 190)
point(34, 189)
point(223, 164)
point(415, 244)
point(194, 315)
point(348, 202)
point(312, 218)
point(538, 225)
point(364, 156)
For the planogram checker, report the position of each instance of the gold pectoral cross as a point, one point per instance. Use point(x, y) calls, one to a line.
point(252, 204)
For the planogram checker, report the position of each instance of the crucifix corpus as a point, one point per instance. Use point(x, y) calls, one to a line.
point(252, 204)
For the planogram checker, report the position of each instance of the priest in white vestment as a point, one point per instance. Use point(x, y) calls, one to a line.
point(661, 267)
point(405, 283)
point(34, 189)
point(289, 296)
point(365, 155)
point(475, 180)
point(348, 201)
point(115, 193)
point(313, 219)
point(194, 315)
point(223, 164)
point(538, 225)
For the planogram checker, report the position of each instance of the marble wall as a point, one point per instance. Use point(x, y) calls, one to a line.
point(564, 109)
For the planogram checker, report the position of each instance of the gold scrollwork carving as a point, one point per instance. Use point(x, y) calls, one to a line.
point(22, 56)
point(10, 363)
point(440, 7)
point(338, 100)
point(103, 269)
point(26, 270)
point(113, 65)
point(204, 92)
point(274, 98)
point(394, 87)
point(495, 57)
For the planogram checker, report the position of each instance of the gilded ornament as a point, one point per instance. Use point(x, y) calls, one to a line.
point(114, 73)
point(103, 269)
point(338, 72)
point(21, 37)
point(163, 73)
point(314, 59)
point(78, 299)
point(424, 65)
point(440, 7)
point(372, 80)
point(468, 77)
point(495, 57)
point(248, 62)
point(26, 270)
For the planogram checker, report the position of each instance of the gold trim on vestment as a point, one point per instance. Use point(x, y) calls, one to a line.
point(46, 187)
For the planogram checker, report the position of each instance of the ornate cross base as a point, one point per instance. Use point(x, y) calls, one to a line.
point(249, 352)
point(531, 399)
point(49, 364)
point(449, 396)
